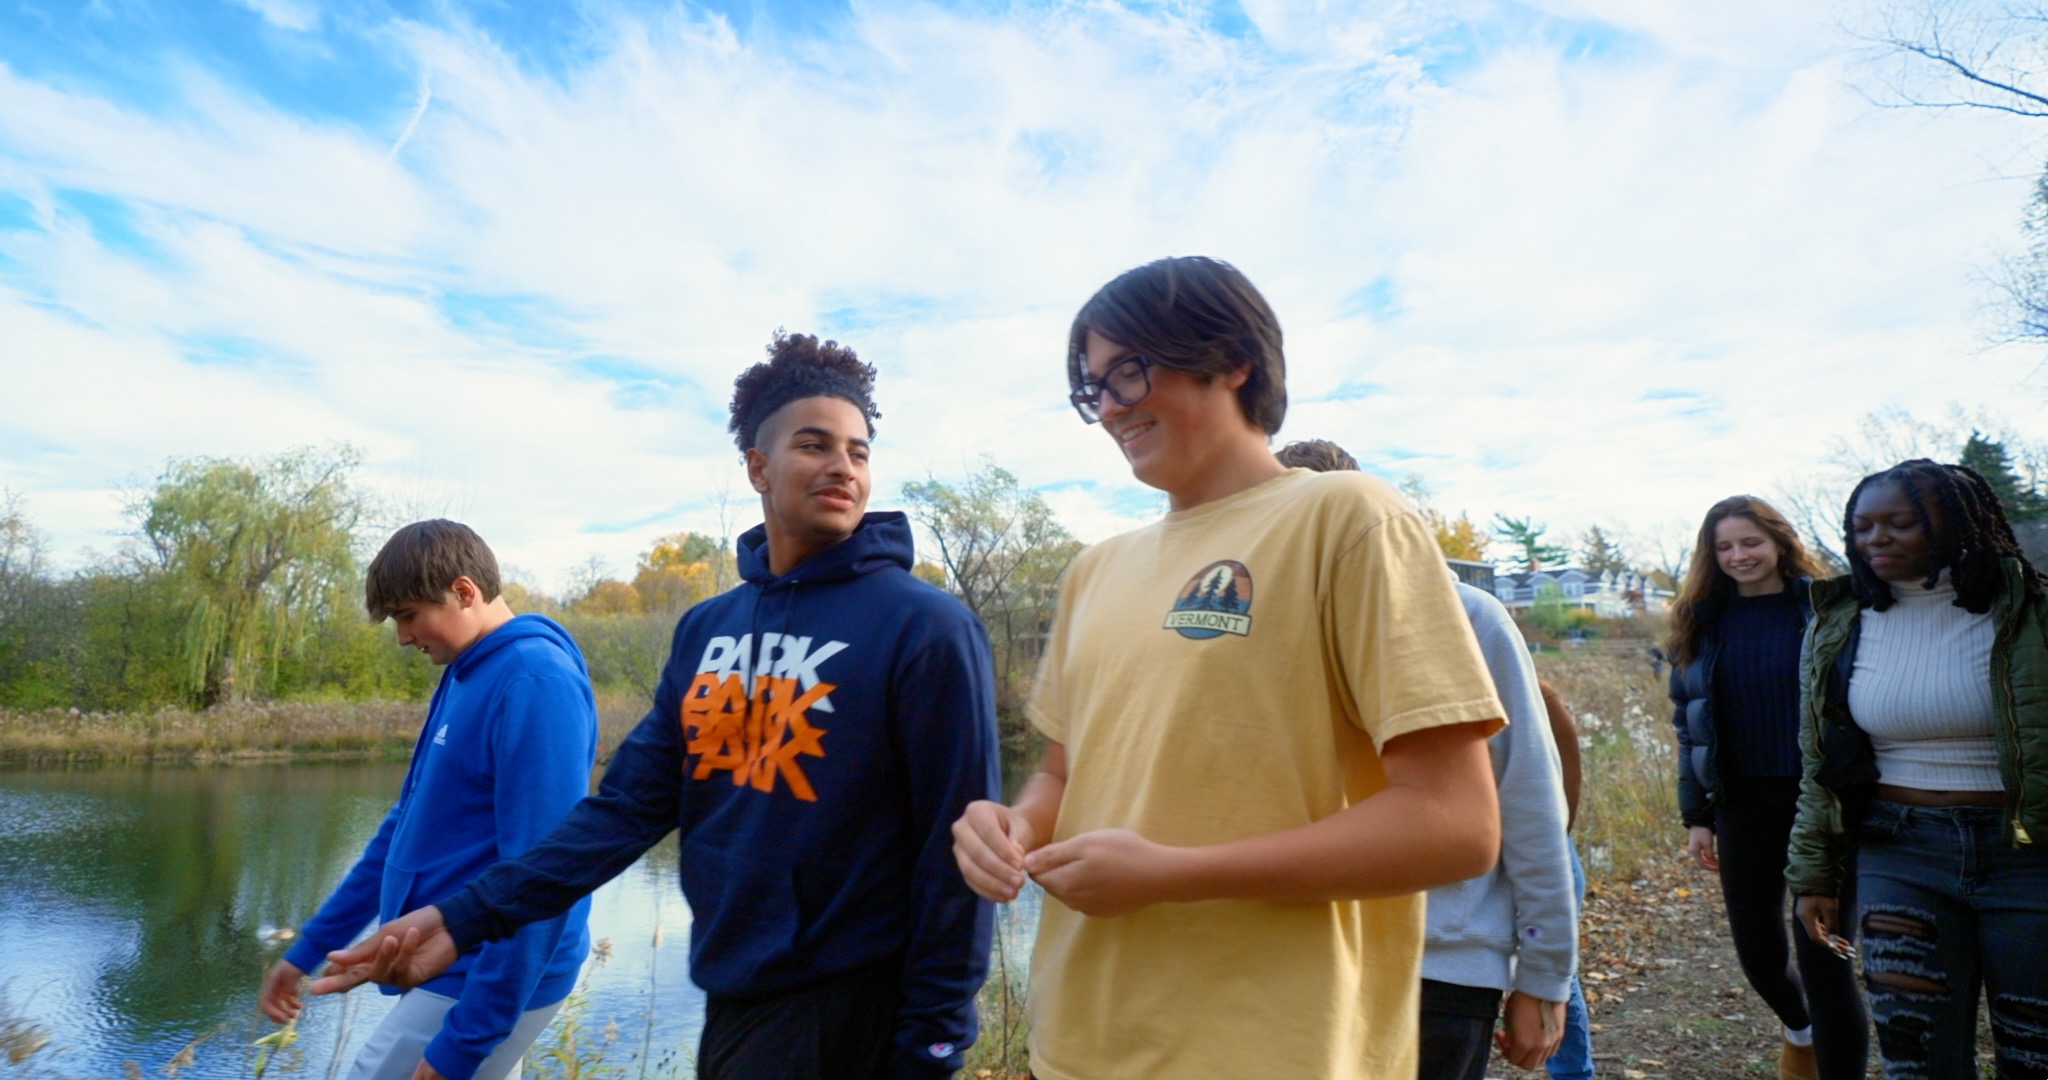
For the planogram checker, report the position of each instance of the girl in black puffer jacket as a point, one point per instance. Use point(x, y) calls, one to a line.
point(1734, 645)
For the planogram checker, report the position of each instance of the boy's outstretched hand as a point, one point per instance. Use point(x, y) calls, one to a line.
point(404, 952)
point(279, 996)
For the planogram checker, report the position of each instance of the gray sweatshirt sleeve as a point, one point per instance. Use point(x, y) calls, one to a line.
point(1535, 855)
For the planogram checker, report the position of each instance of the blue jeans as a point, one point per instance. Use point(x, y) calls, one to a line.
point(1574, 1057)
point(1949, 906)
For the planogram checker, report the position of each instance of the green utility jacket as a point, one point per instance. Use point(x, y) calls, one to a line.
point(1840, 766)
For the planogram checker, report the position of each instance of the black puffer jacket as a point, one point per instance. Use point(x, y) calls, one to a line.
point(1692, 698)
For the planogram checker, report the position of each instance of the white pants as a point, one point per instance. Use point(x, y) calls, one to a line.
point(397, 1046)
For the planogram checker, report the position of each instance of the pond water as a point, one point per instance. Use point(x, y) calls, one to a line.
point(139, 908)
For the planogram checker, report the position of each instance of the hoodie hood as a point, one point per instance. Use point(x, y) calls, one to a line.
point(518, 628)
point(883, 540)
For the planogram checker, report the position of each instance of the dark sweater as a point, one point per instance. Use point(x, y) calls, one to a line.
point(814, 738)
point(1756, 686)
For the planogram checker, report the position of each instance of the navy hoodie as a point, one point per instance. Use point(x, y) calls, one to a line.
point(814, 737)
point(505, 753)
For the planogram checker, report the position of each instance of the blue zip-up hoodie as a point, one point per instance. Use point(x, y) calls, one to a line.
point(814, 738)
point(506, 751)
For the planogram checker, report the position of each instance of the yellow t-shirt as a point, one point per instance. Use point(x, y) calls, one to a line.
point(1230, 671)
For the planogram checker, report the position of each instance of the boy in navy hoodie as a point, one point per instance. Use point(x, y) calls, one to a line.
point(506, 750)
point(816, 731)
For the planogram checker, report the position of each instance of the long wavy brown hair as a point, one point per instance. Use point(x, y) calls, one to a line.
point(1706, 589)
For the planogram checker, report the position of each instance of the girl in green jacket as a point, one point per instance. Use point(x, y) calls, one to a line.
point(1924, 730)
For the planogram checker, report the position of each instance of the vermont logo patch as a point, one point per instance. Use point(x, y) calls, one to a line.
point(1216, 601)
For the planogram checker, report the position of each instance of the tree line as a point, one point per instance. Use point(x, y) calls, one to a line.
point(242, 579)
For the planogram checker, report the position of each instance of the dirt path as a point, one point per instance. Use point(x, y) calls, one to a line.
point(1666, 996)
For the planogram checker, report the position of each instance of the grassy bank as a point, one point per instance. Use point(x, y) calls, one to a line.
point(56, 738)
point(1628, 802)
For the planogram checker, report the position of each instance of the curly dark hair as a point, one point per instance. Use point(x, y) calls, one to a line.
point(1973, 542)
point(799, 366)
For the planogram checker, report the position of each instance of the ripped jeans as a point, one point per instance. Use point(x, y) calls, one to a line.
point(1948, 905)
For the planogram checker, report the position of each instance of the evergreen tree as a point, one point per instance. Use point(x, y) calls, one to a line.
point(1990, 458)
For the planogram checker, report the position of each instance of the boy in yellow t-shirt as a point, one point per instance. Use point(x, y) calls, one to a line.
point(1266, 718)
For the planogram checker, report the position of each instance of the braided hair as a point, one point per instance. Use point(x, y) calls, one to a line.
point(799, 366)
point(1973, 542)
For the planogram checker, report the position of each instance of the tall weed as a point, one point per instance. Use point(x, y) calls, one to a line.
point(1628, 801)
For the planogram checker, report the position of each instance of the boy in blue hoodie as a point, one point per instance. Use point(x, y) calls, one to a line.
point(816, 732)
point(507, 749)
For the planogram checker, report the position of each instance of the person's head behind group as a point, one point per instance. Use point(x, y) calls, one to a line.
point(1909, 523)
point(1319, 455)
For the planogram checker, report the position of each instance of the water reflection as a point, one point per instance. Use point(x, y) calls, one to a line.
point(137, 908)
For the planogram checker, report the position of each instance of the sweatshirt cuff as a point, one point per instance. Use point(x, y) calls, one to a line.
point(920, 1065)
point(1542, 985)
point(464, 917)
point(452, 1061)
point(306, 955)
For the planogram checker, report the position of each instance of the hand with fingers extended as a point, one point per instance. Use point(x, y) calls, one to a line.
point(1701, 845)
point(1106, 872)
point(404, 952)
point(279, 996)
point(1530, 1031)
point(990, 842)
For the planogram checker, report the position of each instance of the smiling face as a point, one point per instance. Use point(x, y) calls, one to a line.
point(1175, 435)
point(1748, 555)
point(1889, 535)
point(445, 629)
point(810, 464)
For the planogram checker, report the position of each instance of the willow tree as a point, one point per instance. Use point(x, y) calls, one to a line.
point(253, 553)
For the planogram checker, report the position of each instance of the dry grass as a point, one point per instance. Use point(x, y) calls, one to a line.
point(68, 737)
point(55, 738)
point(1628, 802)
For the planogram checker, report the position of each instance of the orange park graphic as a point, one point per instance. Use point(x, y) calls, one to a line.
point(757, 737)
point(1216, 601)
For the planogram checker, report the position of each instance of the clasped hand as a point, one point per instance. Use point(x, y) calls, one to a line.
point(404, 952)
point(1102, 873)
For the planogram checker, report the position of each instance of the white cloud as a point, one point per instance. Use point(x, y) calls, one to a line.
point(296, 15)
point(1569, 242)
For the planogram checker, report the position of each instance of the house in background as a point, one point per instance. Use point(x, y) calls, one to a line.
point(1611, 594)
point(1479, 575)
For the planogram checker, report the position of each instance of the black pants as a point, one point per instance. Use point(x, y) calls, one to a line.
point(838, 1028)
point(1457, 1030)
point(1752, 829)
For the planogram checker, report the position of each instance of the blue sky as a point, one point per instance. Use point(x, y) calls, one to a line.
point(1586, 261)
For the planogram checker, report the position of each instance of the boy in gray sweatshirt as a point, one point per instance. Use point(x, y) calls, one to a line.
point(1513, 931)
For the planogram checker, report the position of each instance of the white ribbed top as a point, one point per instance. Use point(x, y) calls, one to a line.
point(1922, 690)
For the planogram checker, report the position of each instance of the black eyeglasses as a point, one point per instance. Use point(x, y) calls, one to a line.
point(1128, 381)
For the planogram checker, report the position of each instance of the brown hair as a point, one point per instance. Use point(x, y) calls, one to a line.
point(1193, 314)
point(1706, 589)
point(422, 560)
point(1322, 455)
